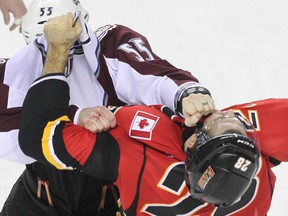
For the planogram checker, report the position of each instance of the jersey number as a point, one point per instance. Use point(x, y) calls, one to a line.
point(252, 122)
point(242, 164)
point(173, 182)
point(136, 46)
point(45, 11)
point(186, 204)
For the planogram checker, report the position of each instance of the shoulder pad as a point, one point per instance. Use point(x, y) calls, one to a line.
point(102, 31)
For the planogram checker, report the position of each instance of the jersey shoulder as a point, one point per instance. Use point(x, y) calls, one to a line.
point(117, 32)
point(269, 118)
point(152, 127)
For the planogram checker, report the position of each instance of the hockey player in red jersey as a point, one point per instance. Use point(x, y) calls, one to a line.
point(257, 199)
point(117, 67)
point(130, 155)
point(143, 155)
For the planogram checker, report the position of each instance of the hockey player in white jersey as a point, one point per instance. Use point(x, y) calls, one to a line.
point(117, 67)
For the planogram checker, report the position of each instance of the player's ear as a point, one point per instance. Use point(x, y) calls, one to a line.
point(190, 142)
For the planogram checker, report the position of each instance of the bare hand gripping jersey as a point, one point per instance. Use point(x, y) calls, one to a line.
point(142, 155)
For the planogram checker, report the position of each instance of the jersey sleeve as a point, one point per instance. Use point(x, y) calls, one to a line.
point(138, 74)
point(48, 135)
point(10, 108)
point(269, 118)
point(16, 76)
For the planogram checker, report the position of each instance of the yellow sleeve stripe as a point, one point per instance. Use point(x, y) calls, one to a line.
point(47, 144)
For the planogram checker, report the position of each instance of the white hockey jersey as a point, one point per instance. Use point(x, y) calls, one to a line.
point(117, 67)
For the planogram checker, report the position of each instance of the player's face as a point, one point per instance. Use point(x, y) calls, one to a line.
point(216, 115)
point(190, 142)
point(218, 123)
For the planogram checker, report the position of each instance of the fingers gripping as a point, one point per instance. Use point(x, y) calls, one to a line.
point(195, 106)
point(97, 119)
point(61, 31)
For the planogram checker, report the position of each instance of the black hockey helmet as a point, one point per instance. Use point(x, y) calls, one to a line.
point(219, 169)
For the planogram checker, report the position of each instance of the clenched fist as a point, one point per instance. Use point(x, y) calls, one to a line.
point(60, 32)
point(97, 119)
point(194, 106)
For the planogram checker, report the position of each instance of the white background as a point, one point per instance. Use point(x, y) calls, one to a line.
point(238, 49)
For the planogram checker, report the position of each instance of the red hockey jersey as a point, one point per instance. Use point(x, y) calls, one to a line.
point(142, 155)
point(269, 118)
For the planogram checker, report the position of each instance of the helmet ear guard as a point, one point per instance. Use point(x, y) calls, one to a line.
point(220, 170)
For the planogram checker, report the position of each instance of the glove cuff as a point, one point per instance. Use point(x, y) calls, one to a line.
point(186, 90)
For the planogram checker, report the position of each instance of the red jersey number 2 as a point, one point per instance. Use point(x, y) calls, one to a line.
point(186, 205)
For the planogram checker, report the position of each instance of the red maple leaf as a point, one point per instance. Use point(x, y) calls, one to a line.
point(143, 123)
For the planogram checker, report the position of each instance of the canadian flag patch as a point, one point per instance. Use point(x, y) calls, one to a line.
point(142, 125)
